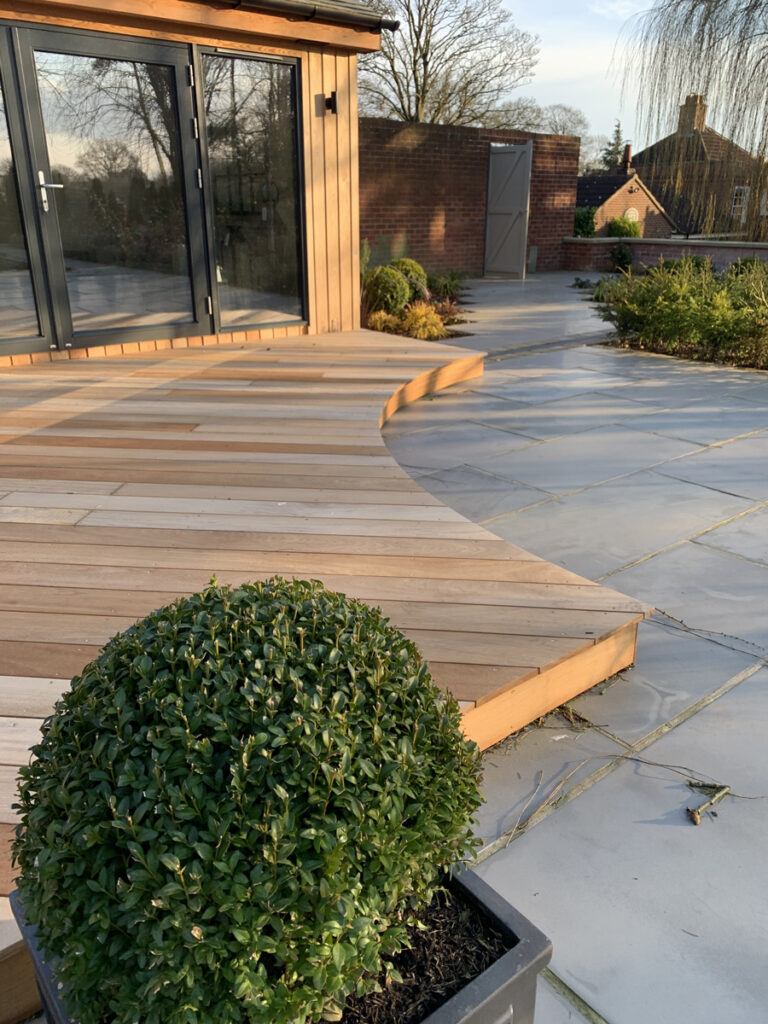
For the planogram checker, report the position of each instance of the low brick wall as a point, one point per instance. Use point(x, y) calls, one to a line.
point(423, 193)
point(592, 254)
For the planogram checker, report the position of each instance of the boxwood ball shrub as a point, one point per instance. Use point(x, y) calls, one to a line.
point(385, 288)
point(415, 275)
point(238, 807)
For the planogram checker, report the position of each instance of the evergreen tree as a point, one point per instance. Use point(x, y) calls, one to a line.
point(614, 151)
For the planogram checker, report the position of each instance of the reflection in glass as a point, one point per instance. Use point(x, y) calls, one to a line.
point(251, 132)
point(113, 142)
point(18, 318)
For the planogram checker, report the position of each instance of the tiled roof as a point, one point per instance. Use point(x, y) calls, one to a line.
point(595, 189)
point(697, 146)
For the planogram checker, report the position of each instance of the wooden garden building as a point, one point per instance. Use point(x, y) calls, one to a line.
point(177, 170)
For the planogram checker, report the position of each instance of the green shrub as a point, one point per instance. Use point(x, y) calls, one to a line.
point(415, 275)
point(421, 320)
point(620, 257)
point(238, 806)
point(747, 265)
point(685, 307)
point(385, 288)
point(584, 222)
point(445, 286)
point(388, 323)
point(603, 289)
point(685, 264)
point(623, 227)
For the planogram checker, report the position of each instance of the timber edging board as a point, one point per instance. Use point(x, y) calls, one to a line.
point(129, 480)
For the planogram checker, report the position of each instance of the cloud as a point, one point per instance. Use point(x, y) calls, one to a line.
point(618, 10)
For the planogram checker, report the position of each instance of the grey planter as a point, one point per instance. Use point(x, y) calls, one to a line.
point(504, 994)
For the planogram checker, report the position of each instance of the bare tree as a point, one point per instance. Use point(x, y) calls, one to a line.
point(560, 119)
point(105, 158)
point(451, 62)
point(590, 154)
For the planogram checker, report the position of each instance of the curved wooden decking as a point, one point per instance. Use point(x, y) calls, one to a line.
point(127, 481)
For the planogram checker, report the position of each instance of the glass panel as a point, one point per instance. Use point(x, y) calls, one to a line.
point(18, 316)
point(251, 132)
point(113, 143)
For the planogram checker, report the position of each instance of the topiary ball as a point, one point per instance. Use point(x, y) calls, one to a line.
point(238, 806)
point(415, 275)
point(385, 288)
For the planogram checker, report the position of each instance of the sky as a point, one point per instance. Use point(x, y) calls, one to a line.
point(580, 59)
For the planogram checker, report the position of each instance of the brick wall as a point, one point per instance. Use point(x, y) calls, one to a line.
point(592, 254)
point(423, 193)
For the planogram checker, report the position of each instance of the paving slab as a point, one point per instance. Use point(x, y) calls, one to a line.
point(608, 526)
point(651, 917)
point(552, 1008)
point(464, 442)
point(674, 390)
point(546, 387)
point(523, 772)
point(591, 457)
point(541, 309)
point(707, 590)
point(706, 421)
point(479, 495)
point(673, 671)
point(563, 415)
point(737, 468)
point(446, 407)
point(746, 537)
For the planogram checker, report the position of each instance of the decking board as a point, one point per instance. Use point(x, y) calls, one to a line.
point(127, 481)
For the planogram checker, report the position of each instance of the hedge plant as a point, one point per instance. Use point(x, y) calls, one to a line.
point(385, 288)
point(584, 222)
point(623, 227)
point(238, 806)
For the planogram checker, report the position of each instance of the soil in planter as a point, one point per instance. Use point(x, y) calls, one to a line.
point(459, 944)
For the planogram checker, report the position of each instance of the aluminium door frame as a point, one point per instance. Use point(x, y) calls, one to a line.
point(177, 56)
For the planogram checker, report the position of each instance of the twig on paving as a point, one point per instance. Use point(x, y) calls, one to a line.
point(694, 813)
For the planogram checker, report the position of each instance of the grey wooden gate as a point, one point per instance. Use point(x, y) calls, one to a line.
point(506, 229)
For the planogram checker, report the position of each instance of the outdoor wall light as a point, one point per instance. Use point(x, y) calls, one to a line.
point(330, 103)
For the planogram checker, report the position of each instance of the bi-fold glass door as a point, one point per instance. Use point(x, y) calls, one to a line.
point(113, 166)
point(147, 189)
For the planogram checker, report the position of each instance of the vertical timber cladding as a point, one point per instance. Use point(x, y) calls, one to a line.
point(327, 56)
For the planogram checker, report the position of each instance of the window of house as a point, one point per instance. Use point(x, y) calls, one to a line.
point(740, 202)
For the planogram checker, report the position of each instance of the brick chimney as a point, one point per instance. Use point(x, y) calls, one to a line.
point(626, 161)
point(693, 115)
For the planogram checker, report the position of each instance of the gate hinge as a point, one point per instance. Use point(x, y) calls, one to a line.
point(191, 76)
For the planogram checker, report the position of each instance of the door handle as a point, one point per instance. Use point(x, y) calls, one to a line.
point(44, 185)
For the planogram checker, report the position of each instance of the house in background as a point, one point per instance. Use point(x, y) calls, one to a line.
point(178, 173)
point(707, 183)
point(623, 194)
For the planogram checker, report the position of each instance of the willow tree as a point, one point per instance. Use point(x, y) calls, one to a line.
point(717, 49)
point(451, 62)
